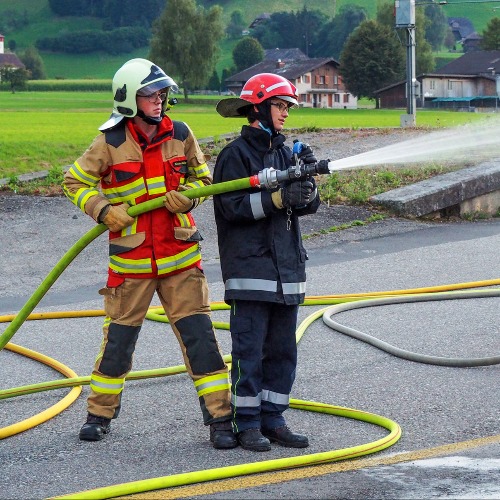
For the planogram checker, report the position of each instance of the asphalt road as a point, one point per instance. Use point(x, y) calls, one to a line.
point(450, 444)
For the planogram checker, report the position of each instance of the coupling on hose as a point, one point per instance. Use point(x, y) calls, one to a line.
point(270, 178)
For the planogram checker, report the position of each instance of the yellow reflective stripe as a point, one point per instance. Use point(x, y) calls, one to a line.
point(78, 173)
point(135, 266)
point(82, 196)
point(183, 220)
point(179, 261)
point(106, 322)
point(156, 185)
point(212, 383)
point(125, 193)
point(106, 385)
point(195, 184)
point(201, 170)
point(132, 229)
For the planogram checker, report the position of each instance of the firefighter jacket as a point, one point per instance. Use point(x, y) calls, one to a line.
point(123, 166)
point(261, 252)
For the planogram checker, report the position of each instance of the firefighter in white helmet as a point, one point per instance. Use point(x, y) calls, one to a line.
point(142, 154)
point(263, 261)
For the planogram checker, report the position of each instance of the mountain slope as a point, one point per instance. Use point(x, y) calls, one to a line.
point(43, 22)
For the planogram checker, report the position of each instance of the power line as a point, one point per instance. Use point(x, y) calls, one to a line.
point(458, 2)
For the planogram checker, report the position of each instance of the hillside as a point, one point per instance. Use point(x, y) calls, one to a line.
point(42, 22)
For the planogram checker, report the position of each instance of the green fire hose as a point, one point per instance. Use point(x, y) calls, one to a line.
point(96, 231)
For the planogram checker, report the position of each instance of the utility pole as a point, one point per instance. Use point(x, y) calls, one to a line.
point(405, 19)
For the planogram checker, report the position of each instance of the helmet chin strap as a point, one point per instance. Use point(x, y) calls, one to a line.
point(150, 120)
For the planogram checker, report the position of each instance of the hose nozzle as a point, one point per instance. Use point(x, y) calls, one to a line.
point(270, 178)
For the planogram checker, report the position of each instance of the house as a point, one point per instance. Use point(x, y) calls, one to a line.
point(470, 82)
point(472, 42)
point(318, 80)
point(8, 59)
point(461, 27)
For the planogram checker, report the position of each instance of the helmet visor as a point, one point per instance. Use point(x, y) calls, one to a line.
point(288, 99)
point(159, 85)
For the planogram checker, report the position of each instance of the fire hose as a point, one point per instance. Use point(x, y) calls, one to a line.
point(269, 179)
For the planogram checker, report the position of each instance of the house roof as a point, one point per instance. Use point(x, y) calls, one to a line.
point(10, 60)
point(473, 63)
point(259, 19)
point(290, 70)
point(284, 54)
point(464, 99)
point(462, 25)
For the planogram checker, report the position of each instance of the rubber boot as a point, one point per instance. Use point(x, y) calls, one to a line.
point(94, 428)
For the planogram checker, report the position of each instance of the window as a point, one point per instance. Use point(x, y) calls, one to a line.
point(450, 85)
point(346, 98)
point(432, 84)
point(337, 97)
point(336, 80)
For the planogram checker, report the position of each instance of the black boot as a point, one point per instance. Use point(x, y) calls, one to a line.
point(285, 437)
point(95, 428)
point(222, 436)
point(253, 440)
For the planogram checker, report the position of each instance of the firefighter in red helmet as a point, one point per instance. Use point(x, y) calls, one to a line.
point(263, 261)
point(142, 154)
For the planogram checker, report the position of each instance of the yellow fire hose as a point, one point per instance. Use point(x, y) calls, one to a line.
point(443, 292)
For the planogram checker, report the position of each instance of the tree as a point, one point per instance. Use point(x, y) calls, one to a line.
point(247, 52)
point(185, 41)
point(214, 82)
point(334, 34)
point(236, 24)
point(291, 30)
point(372, 58)
point(17, 77)
point(491, 35)
point(34, 63)
point(424, 60)
point(226, 73)
point(437, 27)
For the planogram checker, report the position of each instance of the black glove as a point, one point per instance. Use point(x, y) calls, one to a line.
point(304, 153)
point(297, 194)
point(307, 155)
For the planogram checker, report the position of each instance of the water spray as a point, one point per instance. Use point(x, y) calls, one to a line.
point(460, 144)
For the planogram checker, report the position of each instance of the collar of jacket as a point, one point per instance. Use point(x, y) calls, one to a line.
point(259, 139)
point(164, 130)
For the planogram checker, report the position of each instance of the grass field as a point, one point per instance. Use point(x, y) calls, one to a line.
point(44, 130)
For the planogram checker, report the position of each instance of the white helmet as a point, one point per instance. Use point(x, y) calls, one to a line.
point(137, 76)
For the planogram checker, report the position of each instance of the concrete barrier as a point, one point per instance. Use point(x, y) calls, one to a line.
point(467, 191)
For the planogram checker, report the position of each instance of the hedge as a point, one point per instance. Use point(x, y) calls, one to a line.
point(69, 85)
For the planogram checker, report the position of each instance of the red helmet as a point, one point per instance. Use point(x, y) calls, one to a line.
point(256, 90)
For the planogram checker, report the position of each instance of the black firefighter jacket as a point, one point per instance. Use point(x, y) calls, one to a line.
point(261, 252)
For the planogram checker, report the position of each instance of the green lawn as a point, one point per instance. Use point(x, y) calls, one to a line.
point(41, 130)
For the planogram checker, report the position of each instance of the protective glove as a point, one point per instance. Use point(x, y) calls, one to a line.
point(296, 194)
point(115, 217)
point(304, 153)
point(177, 203)
point(314, 191)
